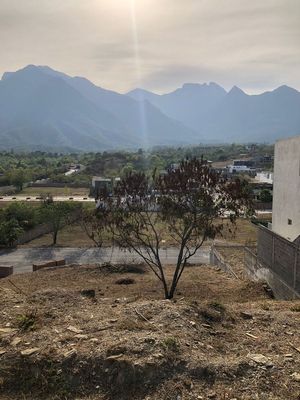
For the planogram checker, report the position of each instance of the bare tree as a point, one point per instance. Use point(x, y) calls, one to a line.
point(190, 203)
point(94, 224)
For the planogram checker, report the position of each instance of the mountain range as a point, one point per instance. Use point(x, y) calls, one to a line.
point(43, 109)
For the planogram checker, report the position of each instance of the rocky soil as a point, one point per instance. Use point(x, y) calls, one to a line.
point(104, 332)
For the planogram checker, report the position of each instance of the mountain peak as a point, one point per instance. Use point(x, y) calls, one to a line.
point(235, 90)
point(285, 89)
point(34, 70)
point(197, 87)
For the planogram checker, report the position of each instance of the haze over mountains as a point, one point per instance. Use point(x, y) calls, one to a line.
point(44, 109)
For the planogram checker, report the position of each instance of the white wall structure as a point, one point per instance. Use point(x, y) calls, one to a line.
point(239, 168)
point(264, 177)
point(286, 189)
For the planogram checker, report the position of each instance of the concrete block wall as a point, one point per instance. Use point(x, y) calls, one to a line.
point(48, 264)
point(277, 262)
point(6, 271)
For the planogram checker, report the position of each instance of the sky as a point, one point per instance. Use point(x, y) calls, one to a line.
point(156, 44)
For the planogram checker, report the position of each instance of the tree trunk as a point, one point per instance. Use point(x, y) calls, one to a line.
point(54, 238)
point(172, 290)
point(165, 288)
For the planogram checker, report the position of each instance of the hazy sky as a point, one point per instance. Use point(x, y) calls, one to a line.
point(156, 44)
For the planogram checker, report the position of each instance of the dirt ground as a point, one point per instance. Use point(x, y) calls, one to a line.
point(235, 258)
point(219, 338)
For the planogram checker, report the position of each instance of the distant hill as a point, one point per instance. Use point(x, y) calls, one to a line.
point(189, 104)
point(218, 116)
point(41, 108)
point(45, 109)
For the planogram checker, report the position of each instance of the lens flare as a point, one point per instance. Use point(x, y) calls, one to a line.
point(137, 60)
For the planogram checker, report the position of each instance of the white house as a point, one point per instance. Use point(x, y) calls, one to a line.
point(265, 177)
point(286, 189)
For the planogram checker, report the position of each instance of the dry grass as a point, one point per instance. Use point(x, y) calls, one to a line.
point(69, 236)
point(129, 343)
point(243, 232)
point(74, 236)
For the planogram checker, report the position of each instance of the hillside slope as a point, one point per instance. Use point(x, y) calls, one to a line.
point(220, 338)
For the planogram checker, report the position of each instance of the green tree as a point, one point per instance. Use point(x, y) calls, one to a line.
point(265, 196)
point(23, 213)
point(57, 216)
point(17, 178)
point(127, 169)
point(10, 231)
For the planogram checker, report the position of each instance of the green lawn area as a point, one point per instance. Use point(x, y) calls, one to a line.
point(65, 191)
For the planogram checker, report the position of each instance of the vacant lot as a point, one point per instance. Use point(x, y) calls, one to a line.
point(74, 236)
point(220, 338)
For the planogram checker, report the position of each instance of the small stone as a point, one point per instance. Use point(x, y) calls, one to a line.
point(212, 395)
point(16, 341)
point(74, 329)
point(259, 359)
point(296, 376)
point(29, 352)
point(246, 315)
point(206, 326)
point(81, 337)
point(193, 323)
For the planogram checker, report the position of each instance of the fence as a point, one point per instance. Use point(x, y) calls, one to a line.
point(263, 206)
point(277, 262)
point(217, 259)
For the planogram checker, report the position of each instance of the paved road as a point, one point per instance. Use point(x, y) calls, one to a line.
point(38, 198)
point(23, 258)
